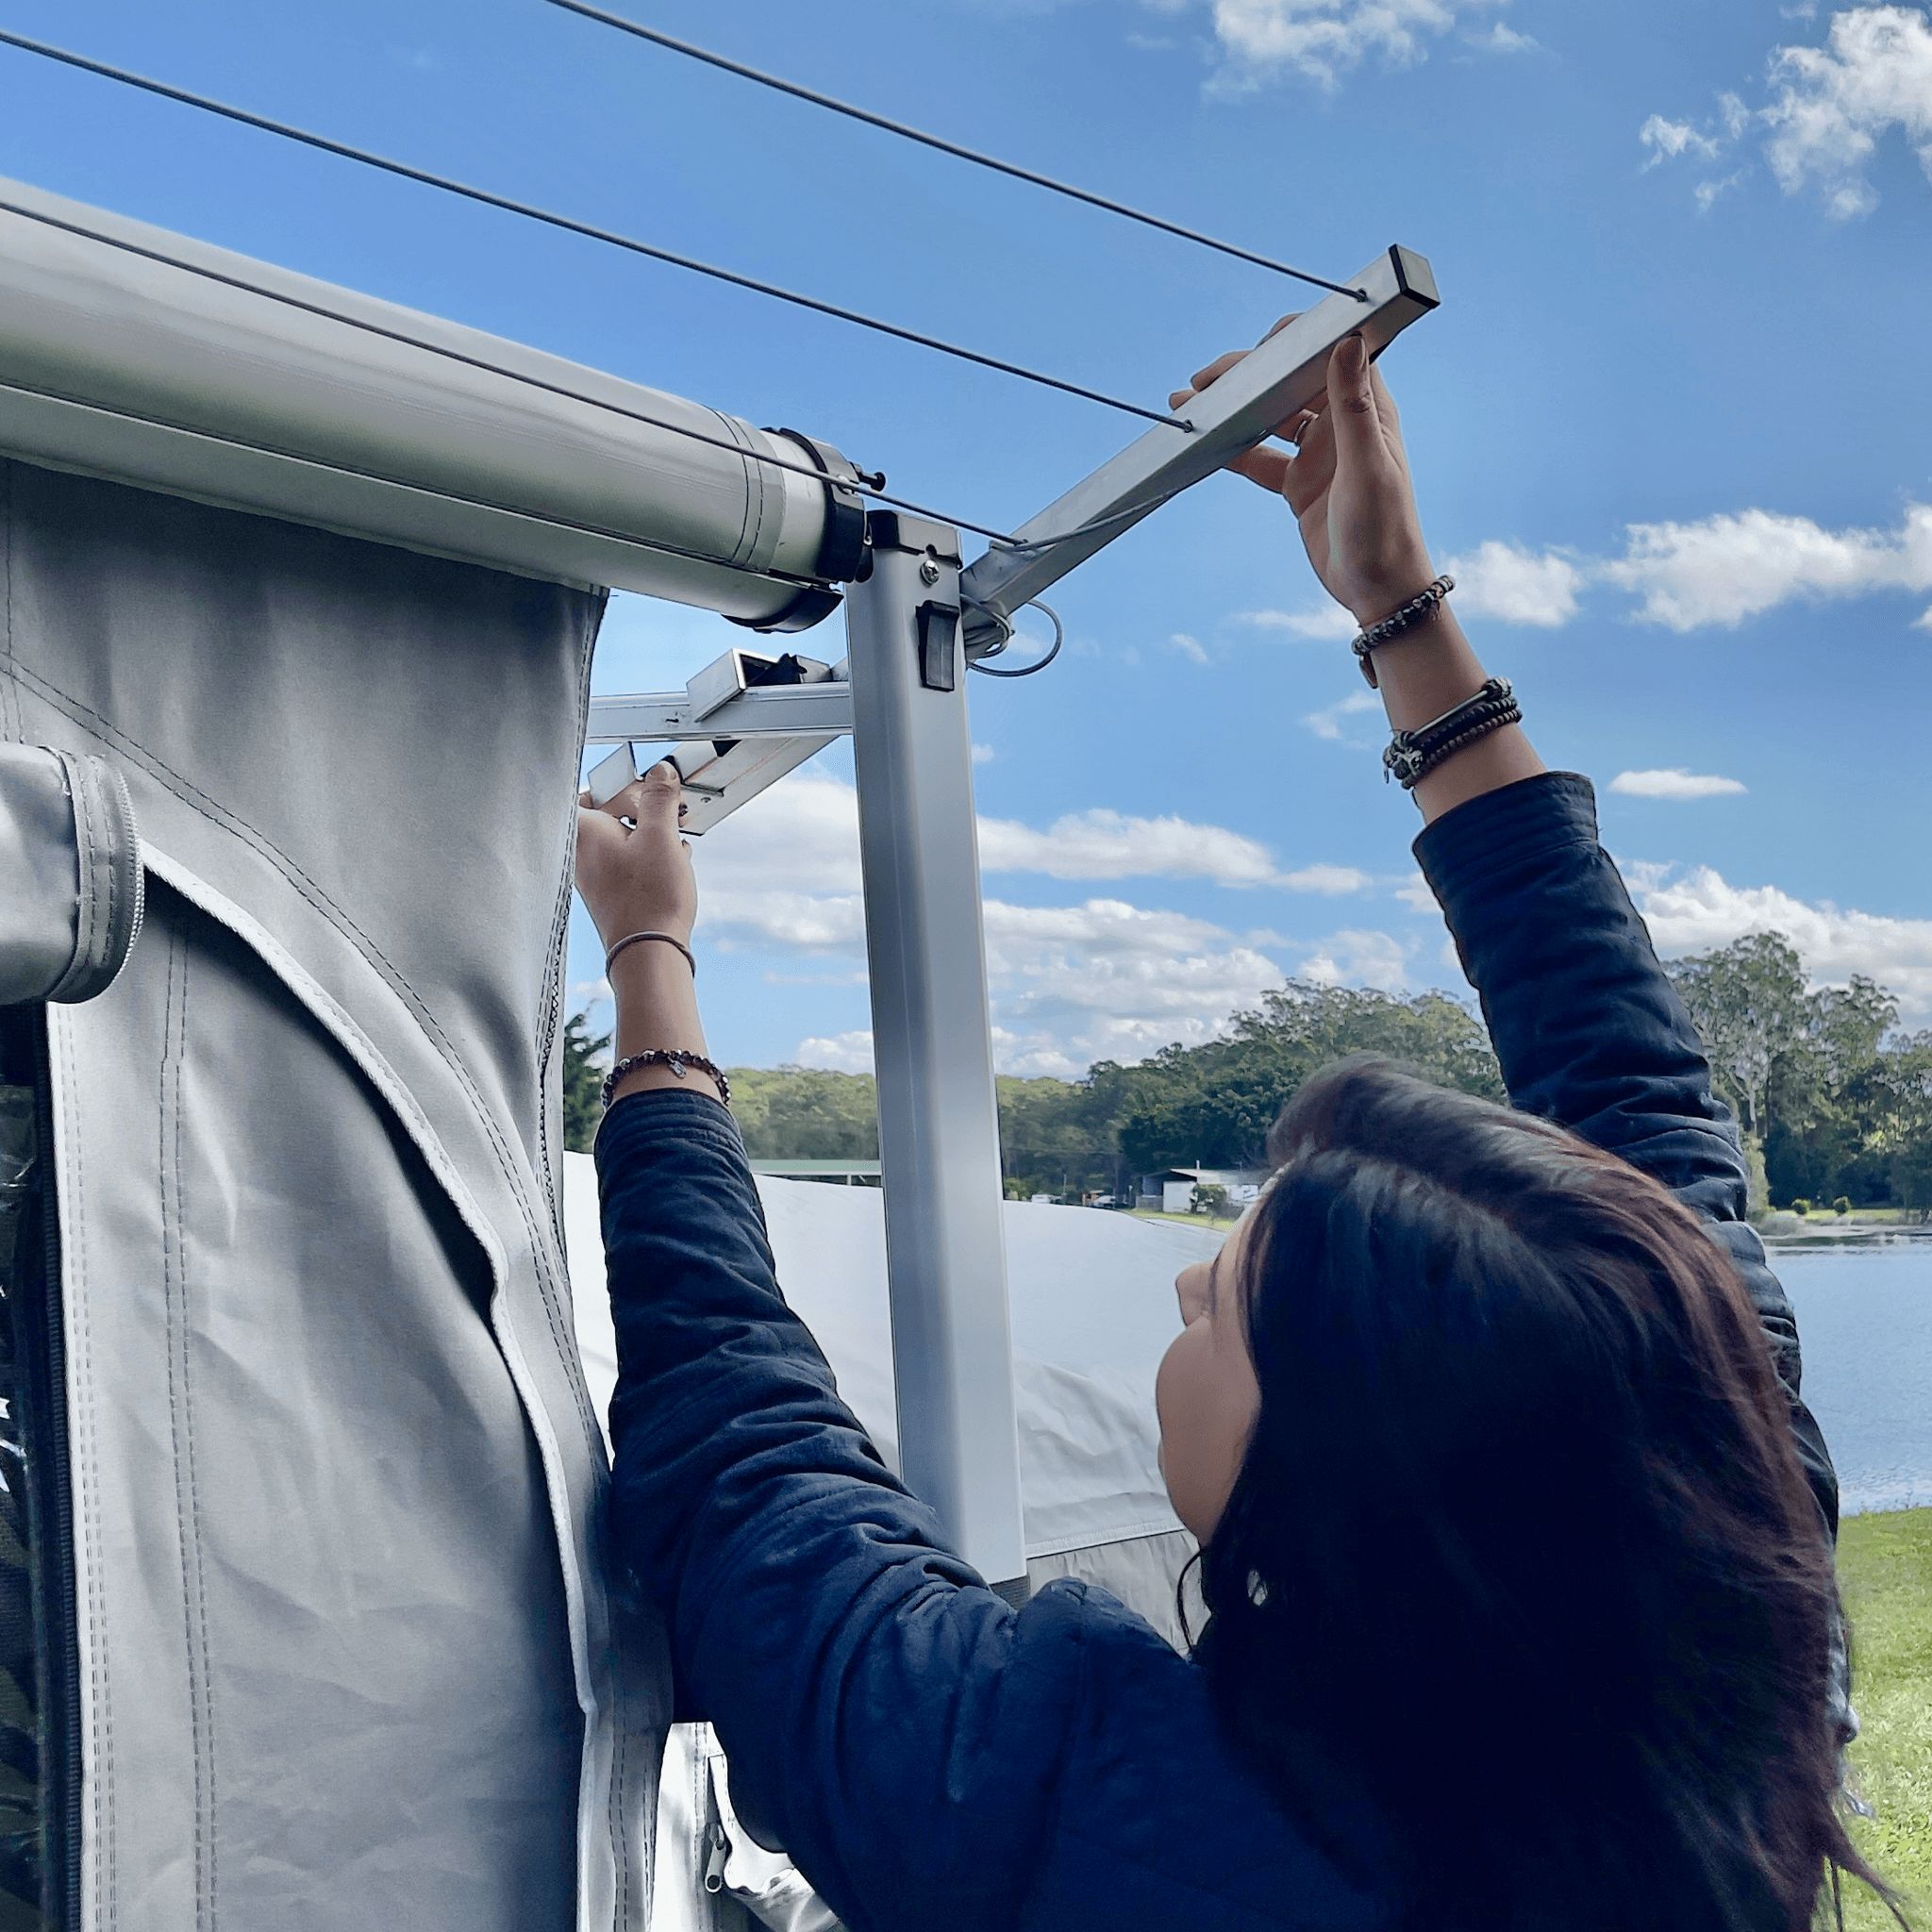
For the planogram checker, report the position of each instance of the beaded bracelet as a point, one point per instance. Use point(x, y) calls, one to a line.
point(1417, 611)
point(1412, 755)
point(672, 1057)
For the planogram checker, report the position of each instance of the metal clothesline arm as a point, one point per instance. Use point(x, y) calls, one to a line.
point(1278, 378)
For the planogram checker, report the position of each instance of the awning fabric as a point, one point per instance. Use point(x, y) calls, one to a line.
point(69, 875)
point(1093, 1311)
point(346, 1659)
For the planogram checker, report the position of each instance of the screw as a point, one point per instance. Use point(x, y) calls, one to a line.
point(928, 572)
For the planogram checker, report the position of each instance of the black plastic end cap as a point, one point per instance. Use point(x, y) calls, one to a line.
point(813, 604)
point(1414, 277)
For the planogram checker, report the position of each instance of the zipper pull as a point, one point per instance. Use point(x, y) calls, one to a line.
point(714, 1858)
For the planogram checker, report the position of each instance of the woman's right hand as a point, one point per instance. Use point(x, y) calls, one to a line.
point(1348, 484)
point(633, 869)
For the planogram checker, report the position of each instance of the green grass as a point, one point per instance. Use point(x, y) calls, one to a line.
point(1885, 1572)
point(1212, 1225)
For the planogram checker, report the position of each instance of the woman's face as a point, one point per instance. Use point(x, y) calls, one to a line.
point(1205, 1393)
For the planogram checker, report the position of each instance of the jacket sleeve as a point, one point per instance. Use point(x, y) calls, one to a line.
point(856, 1669)
point(1590, 1032)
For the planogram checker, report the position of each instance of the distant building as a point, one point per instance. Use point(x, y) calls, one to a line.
point(1172, 1190)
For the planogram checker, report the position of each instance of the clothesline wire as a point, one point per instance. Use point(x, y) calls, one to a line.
point(570, 225)
point(782, 85)
point(556, 388)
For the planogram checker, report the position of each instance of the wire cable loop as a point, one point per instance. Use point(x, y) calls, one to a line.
point(1005, 625)
point(570, 226)
point(947, 147)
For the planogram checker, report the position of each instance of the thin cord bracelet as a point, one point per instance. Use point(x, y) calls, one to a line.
point(1418, 610)
point(672, 1057)
point(669, 939)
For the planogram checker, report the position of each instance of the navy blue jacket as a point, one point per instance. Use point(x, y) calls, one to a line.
point(929, 1757)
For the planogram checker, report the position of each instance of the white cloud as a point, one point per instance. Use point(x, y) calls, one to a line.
point(1103, 978)
point(798, 922)
point(1835, 103)
point(784, 869)
point(1504, 40)
point(843, 1053)
point(1732, 566)
point(1829, 108)
point(1710, 192)
point(1414, 892)
point(984, 753)
point(1103, 844)
point(1329, 620)
point(1109, 980)
point(1722, 570)
point(1189, 647)
point(1667, 139)
point(1370, 959)
point(1324, 39)
point(1327, 724)
point(786, 866)
point(1700, 910)
point(1517, 586)
point(1676, 783)
point(1331, 879)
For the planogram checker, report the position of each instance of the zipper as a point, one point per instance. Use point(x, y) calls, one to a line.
point(40, 1372)
point(717, 1853)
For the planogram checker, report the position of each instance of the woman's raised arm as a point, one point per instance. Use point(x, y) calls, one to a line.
point(1587, 1026)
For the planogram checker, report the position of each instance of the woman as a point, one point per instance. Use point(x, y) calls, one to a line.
point(1515, 1534)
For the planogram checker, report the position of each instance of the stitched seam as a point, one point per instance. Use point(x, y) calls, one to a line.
point(169, 1119)
point(107, 1872)
point(613, 1808)
point(561, 1333)
point(10, 695)
point(560, 940)
point(81, 784)
point(200, 1682)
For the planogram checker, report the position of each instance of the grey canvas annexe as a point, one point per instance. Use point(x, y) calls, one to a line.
point(345, 1659)
point(317, 576)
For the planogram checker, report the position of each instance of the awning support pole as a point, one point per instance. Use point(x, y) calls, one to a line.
point(932, 1040)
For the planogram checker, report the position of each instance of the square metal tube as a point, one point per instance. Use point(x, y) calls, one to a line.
point(939, 1117)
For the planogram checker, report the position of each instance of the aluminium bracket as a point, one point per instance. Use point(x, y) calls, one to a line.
point(1269, 387)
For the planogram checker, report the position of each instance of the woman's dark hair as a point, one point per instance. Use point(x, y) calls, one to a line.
point(1521, 1561)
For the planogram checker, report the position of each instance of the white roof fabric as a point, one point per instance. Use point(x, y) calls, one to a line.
point(1093, 1308)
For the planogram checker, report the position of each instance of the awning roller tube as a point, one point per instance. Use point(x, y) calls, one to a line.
point(118, 364)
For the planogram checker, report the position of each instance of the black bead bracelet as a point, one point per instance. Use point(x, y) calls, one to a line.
point(1412, 755)
point(1417, 611)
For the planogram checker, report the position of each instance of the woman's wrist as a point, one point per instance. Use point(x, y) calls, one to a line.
point(1383, 600)
point(656, 1008)
point(1427, 671)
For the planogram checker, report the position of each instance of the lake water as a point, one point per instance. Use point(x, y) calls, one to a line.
point(1865, 1317)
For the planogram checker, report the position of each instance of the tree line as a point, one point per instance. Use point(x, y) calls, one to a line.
point(1833, 1093)
point(1833, 1097)
point(1184, 1106)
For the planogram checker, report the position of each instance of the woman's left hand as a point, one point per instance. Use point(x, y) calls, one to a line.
point(636, 877)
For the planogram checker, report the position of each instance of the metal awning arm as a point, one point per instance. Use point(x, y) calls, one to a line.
point(1277, 381)
point(669, 717)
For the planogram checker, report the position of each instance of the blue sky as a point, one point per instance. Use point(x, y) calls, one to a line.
point(1673, 424)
